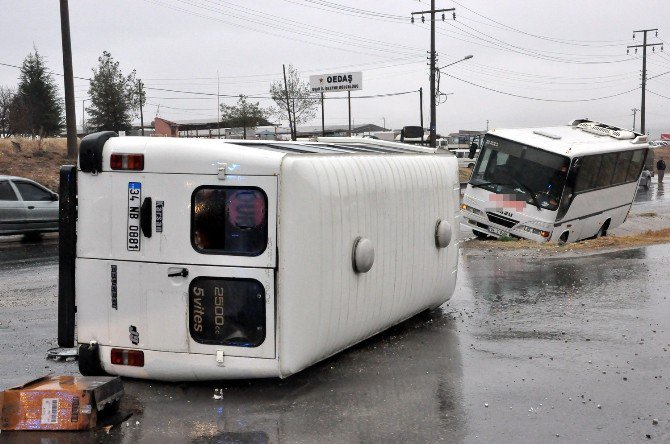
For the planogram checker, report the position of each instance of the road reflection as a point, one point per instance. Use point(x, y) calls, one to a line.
point(404, 385)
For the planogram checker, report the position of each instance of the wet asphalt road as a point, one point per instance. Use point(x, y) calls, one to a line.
point(531, 348)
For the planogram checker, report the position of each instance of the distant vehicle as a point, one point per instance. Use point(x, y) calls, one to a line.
point(463, 160)
point(557, 184)
point(389, 136)
point(198, 259)
point(26, 207)
point(645, 179)
point(413, 134)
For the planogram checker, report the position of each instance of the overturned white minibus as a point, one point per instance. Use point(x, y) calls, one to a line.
point(192, 259)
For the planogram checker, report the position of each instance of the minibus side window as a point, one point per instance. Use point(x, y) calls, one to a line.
point(229, 220)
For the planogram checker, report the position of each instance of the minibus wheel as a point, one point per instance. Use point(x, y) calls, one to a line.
point(564, 238)
point(89, 360)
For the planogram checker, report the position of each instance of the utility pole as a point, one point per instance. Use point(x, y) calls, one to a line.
point(432, 56)
point(83, 117)
point(139, 88)
point(635, 110)
point(644, 69)
point(421, 105)
point(218, 105)
point(288, 106)
point(68, 77)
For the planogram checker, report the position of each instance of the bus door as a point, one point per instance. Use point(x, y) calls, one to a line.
point(184, 263)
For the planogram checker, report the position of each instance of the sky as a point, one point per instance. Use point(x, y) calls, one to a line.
point(535, 63)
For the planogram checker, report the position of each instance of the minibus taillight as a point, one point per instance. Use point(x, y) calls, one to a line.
point(133, 162)
point(134, 358)
point(544, 233)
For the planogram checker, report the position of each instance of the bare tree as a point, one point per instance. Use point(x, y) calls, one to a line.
point(294, 99)
point(6, 97)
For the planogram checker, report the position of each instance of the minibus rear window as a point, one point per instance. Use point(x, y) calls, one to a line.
point(229, 220)
point(227, 311)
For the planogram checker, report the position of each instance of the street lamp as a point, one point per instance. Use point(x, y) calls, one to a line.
point(457, 61)
point(433, 104)
point(384, 119)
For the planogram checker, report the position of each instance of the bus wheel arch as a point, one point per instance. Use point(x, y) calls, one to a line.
point(603, 229)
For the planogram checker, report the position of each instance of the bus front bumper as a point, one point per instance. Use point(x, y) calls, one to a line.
point(483, 225)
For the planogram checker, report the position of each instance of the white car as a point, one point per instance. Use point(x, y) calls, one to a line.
point(26, 207)
point(645, 179)
point(463, 160)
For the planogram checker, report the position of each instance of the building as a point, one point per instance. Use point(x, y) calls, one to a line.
point(338, 130)
point(207, 128)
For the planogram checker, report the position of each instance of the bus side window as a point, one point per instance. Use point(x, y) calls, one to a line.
point(635, 167)
point(606, 170)
point(588, 173)
point(622, 166)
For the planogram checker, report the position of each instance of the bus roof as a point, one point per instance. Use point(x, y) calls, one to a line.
point(578, 138)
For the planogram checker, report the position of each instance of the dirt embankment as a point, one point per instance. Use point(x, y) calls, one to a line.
point(636, 240)
point(36, 159)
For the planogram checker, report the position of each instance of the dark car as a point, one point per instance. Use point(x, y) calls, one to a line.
point(26, 207)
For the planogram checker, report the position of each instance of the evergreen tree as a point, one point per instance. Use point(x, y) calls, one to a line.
point(6, 99)
point(114, 97)
point(244, 115)
point(36, 108)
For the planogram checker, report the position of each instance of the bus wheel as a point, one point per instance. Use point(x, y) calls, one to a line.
point(480, 235)
point(603, 230)
point(471, 165)
point(564, 238)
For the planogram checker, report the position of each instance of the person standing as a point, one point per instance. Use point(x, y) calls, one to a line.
point(660, 167)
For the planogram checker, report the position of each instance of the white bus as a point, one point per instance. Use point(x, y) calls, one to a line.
point(196, 259)
point(557, 184)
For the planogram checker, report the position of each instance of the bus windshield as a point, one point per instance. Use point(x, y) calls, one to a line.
point(530, 174)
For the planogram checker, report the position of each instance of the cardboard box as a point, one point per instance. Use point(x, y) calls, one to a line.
point(59, 402)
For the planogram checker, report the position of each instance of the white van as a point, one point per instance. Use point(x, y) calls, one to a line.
point(194, 259)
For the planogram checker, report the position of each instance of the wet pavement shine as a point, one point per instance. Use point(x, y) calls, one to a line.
point(563, 348)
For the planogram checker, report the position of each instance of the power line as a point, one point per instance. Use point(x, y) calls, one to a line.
point(541, 99)
point(657, 94)
point(551, 39)
point(348, 45)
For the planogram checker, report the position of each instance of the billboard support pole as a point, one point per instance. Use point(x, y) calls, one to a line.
point(323, 118)
point(349, 100)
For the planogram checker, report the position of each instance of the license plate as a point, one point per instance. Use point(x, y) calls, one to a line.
point(134, 202)
point(497, 231)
